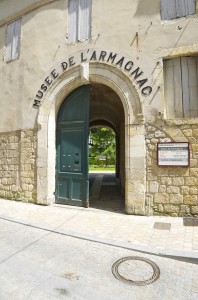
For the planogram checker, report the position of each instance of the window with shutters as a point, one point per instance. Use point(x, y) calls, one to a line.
point(172, 9)
point(181, 87)
point(13, 40)
point(79, 20)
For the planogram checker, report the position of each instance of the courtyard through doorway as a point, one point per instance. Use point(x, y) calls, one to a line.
point(104, 186)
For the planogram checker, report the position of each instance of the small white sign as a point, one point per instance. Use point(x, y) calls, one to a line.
point(102, 158)
point(173, 154)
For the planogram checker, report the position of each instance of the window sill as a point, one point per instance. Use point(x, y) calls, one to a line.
point(78, 41)
point(11, 60)
point(174, 20)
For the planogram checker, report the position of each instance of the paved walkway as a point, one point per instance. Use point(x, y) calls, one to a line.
point(105, 193)
point(139, 233)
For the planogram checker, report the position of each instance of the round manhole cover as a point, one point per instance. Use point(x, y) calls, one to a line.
point(136, 270)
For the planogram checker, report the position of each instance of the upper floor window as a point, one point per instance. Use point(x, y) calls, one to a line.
point(172, 9)
point(181, 87)
point(79, 20)
point(13, 40)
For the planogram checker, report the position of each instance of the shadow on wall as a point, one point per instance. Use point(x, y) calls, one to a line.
point(147, 8)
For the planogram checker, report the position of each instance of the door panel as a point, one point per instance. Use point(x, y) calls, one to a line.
point(72, 183)
point(70, 153)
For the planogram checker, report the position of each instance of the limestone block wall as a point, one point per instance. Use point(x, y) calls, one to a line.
point(172, 190)
point(17, 165)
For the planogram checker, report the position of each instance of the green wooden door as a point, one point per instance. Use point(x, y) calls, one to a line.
point(72, 182)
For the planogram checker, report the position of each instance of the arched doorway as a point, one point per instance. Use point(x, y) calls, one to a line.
point(86, 106)
point(134, 143)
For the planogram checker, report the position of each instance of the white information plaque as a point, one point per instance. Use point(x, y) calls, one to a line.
point(173, 154)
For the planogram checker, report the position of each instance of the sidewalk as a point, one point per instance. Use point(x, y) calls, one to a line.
point(164, 236)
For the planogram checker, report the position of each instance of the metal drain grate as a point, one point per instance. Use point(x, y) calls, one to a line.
point(190, 221)
point(162, 226)
point(135, 270)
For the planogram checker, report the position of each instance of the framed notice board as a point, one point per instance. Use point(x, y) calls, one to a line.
point(173, 154)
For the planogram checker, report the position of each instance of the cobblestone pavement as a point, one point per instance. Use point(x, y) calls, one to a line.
point(62, 252)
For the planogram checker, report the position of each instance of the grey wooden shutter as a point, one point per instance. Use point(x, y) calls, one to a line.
point(9, 41)
point(181, 87)
point(180, 8)
point(171, 9)
point(72, 20)
point(191, 7)
point(178, 93)
point(195, 101)
point(168, 9)
point(185, 8)
point(185, 87)
point(16, 39)
point(173, 88)
point(190, 86)
point(169, 88)
point(13, 40)
point(84, 28)
point(193, 85)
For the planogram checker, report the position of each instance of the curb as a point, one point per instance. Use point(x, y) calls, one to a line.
point(187, 256)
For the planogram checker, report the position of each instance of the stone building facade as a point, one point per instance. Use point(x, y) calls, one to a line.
point(140, 62)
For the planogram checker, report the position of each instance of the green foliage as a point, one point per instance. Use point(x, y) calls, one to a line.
point(102, 146)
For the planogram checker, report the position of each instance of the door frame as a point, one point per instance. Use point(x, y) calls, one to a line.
point(135, 150)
